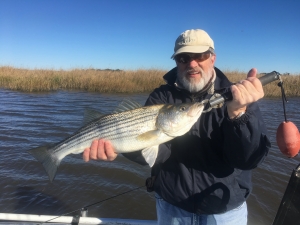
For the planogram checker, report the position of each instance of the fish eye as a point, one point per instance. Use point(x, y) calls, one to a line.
point(182, 108)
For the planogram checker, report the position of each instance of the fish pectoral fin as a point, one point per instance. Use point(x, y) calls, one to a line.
point(150, 154)
point(149, 135)
point(180, 132)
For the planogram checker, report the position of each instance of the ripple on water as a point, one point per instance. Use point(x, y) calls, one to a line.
point(28, 120)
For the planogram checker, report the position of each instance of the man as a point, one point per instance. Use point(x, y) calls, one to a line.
point(204, 176)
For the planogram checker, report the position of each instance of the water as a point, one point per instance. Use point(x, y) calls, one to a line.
point(28, 120)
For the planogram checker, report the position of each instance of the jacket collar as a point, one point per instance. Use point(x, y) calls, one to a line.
point(221, 81)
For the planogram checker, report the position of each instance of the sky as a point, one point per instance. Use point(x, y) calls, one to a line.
point(140, 34)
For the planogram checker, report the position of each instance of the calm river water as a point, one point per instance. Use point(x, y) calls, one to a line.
point(29, 120)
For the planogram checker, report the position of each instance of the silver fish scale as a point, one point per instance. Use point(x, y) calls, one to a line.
point(128, 123)
point(113, 127)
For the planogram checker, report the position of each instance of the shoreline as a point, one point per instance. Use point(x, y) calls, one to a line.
point(113, 81)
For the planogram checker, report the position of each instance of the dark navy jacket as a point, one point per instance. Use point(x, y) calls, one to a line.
point(208, 170)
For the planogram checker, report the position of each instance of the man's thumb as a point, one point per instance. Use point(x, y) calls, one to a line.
point(252, 73)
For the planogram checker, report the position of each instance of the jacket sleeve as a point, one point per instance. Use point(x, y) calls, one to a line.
point(246, 141)
point(156, 97)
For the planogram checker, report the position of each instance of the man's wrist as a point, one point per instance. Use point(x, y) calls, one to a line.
point(238, 116)
point(237, 113)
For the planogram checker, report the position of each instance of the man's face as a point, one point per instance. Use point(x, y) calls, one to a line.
point(194, 70)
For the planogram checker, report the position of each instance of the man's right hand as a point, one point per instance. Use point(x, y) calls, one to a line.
point(100, 150)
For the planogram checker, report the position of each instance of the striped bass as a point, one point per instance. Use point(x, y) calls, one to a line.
point(130, 128)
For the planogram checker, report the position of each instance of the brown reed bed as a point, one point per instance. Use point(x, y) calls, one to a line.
point(104, 81)
point(291, 84)
point(112, 81)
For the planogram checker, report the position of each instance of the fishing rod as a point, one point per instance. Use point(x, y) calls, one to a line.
point(84, 209)
point(287, 135)
point(219, 99)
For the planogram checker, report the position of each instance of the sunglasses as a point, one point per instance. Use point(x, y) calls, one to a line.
point(187, 57)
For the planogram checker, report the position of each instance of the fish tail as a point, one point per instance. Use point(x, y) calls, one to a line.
point(49, 161)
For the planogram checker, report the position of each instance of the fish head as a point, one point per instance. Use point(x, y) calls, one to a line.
point(176, 120)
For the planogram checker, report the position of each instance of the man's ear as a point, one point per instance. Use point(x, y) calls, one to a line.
point(213, 58)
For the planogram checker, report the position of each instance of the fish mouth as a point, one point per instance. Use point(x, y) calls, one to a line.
point(196, 109)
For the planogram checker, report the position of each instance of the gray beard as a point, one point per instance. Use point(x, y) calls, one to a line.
point(191, 85)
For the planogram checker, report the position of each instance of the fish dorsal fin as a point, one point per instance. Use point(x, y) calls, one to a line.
point(126, 105)
point(91, 115)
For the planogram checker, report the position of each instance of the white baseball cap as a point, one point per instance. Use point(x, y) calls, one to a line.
point(193, 41)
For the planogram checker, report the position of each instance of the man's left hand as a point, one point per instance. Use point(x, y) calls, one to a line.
point(244, 93)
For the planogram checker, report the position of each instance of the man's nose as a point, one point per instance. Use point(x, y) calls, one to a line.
point(192, 63)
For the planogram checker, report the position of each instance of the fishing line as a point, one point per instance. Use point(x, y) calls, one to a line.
point(284, 99)
point(95, 203)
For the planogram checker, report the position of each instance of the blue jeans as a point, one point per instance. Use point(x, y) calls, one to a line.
point(168, 214)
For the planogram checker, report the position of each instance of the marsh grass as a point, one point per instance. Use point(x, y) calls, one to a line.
point(78, 79)
point(111, 81)
point(291, 84)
